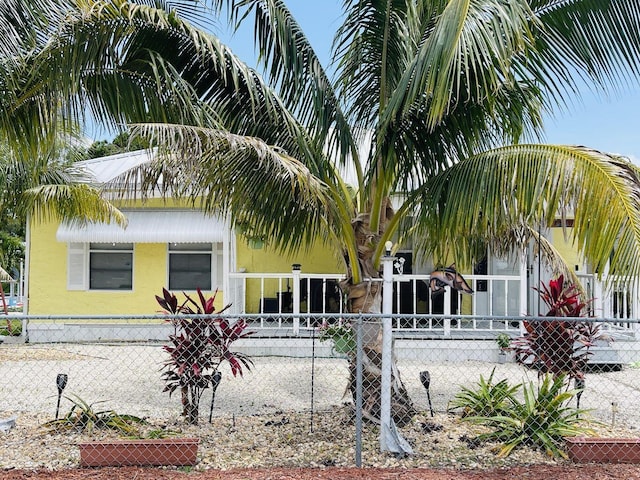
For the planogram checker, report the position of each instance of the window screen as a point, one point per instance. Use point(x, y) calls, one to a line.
point(111, 266)
point(191, 266)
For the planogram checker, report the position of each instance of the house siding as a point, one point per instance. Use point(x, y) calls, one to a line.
point(319, 258)
point(564, 245)
point(48, 293)
point(48, 282)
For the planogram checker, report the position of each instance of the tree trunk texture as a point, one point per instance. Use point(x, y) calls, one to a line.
point(366, 297)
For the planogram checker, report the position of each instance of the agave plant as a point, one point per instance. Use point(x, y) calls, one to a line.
point(559, 347)
point(200, 343)
point(541, 420)
point(83, 417)
point(488, 399)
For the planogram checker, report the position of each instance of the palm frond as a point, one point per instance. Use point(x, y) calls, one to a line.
point(262, 186)
point(79, 203)
point(294, 69)
point(466, 55)
point(375, 44)
point(530, 184)
point(584, 40)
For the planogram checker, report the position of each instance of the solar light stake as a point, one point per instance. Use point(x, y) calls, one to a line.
point(61, 383)
point(425, 379)
point(579, 385)
point(215, 381)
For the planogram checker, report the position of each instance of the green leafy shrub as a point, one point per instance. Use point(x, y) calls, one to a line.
point(82, 417)
point(504, 341)
point(487, 399)
point(541, 420)
point(11, 327)
point(342, 336)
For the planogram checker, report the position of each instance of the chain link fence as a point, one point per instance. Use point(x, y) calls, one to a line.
point(74, 388)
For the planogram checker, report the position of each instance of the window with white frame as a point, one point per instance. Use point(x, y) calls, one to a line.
point(110, 266)
point(195, 265)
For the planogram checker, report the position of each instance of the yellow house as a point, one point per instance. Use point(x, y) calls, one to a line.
point(104, 269)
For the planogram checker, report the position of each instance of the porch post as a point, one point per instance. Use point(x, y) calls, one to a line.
point(295, 271)
point(524, 287)
point(446, 310)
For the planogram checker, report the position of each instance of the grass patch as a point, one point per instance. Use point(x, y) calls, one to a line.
point(12, 329)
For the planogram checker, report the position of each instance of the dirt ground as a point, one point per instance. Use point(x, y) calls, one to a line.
point(537, 472)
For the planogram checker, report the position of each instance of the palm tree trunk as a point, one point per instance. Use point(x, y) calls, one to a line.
point(366, 297)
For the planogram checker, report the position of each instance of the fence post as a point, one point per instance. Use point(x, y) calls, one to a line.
point(385, 381)
point(295, 271)
point(390, 439)
point(359, 369)
point(446, 310)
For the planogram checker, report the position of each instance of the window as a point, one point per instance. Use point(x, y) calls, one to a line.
point(110, 266)
point(194, 265)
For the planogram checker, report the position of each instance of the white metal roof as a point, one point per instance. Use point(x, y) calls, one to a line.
point(105, 169)
point(149, 226)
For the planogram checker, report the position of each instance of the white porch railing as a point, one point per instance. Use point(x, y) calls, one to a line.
point(494, 296)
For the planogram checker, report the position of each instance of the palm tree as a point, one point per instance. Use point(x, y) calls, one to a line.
point(448, 96)
point(41, 108)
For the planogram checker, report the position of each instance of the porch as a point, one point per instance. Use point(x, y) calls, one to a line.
point(497, 305)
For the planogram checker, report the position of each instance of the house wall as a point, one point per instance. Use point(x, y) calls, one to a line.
point(48, 294)
point(47, 276)
point(317, 259)
point(566, 248)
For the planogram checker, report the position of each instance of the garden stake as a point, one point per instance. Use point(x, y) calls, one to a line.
point(215, 381)
point(425, 379)
point(61, 382)
point(579, 385)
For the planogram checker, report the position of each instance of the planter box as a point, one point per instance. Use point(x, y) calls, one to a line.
point(165, 451)
point(603, 450)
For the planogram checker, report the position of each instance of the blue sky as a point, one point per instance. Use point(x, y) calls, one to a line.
point(608, 124)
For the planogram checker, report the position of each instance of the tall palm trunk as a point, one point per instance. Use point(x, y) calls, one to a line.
point(366, 297)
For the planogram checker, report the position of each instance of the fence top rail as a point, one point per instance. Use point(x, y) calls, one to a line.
point(330, 316)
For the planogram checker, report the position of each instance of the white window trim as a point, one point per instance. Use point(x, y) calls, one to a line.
point(78, 269)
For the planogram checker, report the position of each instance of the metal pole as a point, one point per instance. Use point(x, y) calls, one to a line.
point(295, 270)
point(359, 392)
point(385, 382)
point(524, 287)
point(446, 310)
point(313, 371)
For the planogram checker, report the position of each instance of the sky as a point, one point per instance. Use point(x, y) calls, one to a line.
point(608, 124)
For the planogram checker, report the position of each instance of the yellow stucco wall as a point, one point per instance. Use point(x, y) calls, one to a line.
point(47, 276)
point(48, 294)
point(566, 248)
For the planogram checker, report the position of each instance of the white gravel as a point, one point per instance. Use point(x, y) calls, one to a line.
point(308, 426)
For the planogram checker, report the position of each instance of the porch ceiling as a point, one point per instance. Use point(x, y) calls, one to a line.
point(149, 226)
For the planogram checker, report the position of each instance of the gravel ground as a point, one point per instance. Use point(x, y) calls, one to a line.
point(265, 418)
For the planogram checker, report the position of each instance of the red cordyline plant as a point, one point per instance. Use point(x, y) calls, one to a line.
point(559, 347)
point(200, 343)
